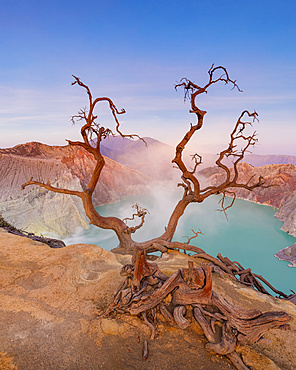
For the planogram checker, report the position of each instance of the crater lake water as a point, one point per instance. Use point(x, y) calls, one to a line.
point(251, 235)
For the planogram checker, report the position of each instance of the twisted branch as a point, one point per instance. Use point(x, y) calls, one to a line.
point(192, 188)
point(196, 233)
point(141, 213)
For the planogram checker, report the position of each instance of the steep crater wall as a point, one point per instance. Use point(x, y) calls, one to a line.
point(282, 195)
point(37, 210)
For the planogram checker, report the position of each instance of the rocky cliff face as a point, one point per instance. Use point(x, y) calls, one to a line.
point(281, 196)
point(40, 211)
point(288, 254)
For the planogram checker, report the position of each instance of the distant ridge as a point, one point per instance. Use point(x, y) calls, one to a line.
point(155, 159)
point(152, 157)
point(257, 160)
point(33, 149)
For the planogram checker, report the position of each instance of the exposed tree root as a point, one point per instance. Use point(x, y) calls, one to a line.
point(222, 265)
point(248, 278)
point(149, 293)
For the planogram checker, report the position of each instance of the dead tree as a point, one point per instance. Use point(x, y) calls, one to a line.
point(146, 290)
point(92, 135)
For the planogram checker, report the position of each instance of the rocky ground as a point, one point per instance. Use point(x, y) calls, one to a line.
point(51, 299)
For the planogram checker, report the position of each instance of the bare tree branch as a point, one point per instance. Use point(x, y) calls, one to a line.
point(222, 201)
point(141, 213)
point(191, 184)
point(90, 117)
point(196, 233)
point(93, 133)
point(48, 186)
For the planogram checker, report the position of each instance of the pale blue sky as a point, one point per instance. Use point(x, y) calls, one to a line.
point(134, 52)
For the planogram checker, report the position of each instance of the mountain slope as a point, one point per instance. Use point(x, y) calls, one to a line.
point(257, 160)
point(154, 158)
point(37, 210)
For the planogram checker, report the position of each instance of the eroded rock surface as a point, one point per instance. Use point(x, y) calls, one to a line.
point(288, 254)
point(37, 210)
point(50, 300)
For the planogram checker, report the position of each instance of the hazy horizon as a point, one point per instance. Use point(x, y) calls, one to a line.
point(188, 151)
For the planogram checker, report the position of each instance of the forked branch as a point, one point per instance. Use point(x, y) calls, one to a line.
point(192, 188)
point(90, 119)
point(224, 208)
point(141, 213)
point(196, 233)
point(92, 134)
point(191, 91)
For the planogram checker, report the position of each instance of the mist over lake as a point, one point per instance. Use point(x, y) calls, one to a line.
point(251, 235)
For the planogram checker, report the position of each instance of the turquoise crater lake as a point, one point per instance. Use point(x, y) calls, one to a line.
point(251, 236)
